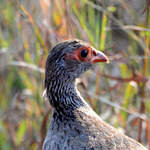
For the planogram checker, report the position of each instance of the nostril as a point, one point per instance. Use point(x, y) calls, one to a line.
point(94, 53)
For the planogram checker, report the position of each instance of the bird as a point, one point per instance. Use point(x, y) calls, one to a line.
point(74, 125)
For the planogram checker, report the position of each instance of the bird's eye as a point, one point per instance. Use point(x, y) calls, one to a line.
point(84, 53)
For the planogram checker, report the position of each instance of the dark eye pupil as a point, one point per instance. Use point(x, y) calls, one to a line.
point(84, 53)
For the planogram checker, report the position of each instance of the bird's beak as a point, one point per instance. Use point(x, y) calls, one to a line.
point(99, 57)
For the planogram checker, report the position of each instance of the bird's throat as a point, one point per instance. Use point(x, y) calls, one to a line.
point(63, 96)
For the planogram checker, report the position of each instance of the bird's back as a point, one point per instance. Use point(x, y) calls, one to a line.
point(86, 132)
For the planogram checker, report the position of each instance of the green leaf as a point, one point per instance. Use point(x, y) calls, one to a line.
point(125, 72)
point(103, 32)
point(21, 132)
point(130, 91)
point(111, 9)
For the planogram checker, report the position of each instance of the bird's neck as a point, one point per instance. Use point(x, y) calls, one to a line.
point(63, 96)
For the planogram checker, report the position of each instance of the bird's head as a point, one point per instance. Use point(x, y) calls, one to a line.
point(69, 59)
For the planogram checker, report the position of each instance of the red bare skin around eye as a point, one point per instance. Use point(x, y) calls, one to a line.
point(76, 55)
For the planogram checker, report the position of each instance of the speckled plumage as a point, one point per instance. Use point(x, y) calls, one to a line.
point(74, 125)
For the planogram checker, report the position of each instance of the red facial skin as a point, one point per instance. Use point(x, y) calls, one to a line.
point(93, 56)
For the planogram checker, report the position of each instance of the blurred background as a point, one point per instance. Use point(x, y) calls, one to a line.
point(118, 91)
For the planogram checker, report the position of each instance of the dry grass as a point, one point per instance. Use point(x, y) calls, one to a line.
point(120, 93)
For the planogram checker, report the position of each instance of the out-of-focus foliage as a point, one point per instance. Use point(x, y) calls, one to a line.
point(121, 91)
